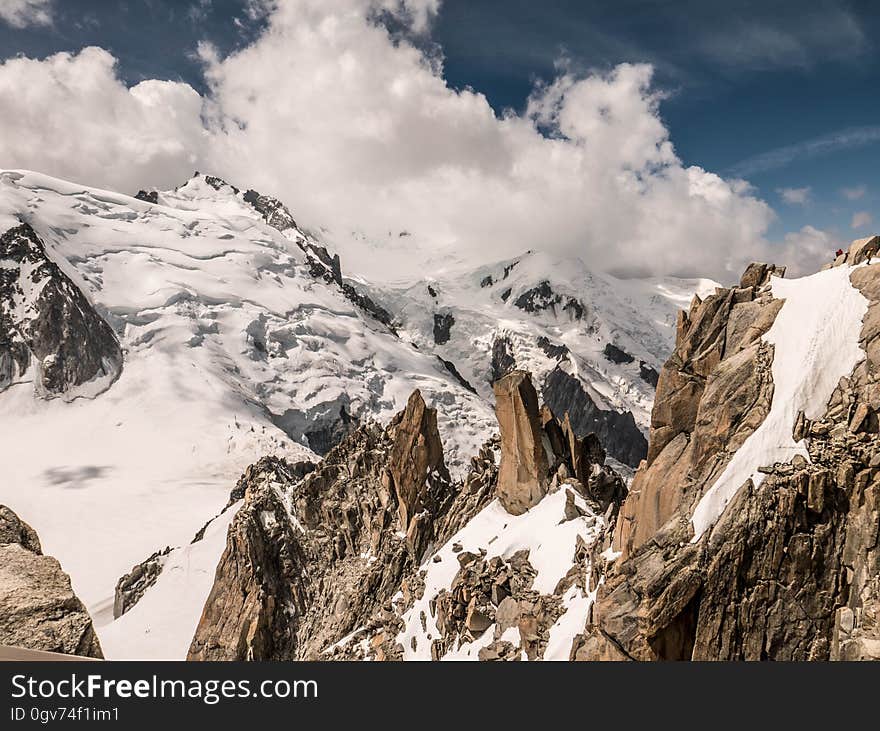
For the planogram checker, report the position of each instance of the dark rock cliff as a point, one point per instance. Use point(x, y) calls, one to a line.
point(47, 322)
point(617, 430)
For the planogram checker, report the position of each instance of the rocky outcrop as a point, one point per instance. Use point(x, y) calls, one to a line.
point(273, 211)
point(859, 251)
point(38, 609)
point(368, 305)
point(503, 359)
point(47, 323)
point(648, 374)
point(309, 559)
point(257, 579)
point(497, 595)
point(132, 586)
point(790, 570)
point(522, 479)
point(552, 350)
point(416, 474)
point(443, 323)
point(454, 372)
point(325, 563)
point(14, 530)
point(758, 274)
point(148, 196)
point(218, 183)
point(542, 298)
point(539, 452)
point(616, 355)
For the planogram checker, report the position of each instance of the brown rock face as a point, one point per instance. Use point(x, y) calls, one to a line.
point(757, 274)
point(539, 452)
point(522, 479)
point(416, 455)
point(38, 609)
point(131, 587)
point(863, 249)
point(311, 557)
point(713, 392)
point(14, 530)
point(257, 579)
point(791, 571)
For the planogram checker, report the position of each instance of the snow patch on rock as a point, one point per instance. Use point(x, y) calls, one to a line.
point(551, 542)
point(162, 624)
point(816, 343)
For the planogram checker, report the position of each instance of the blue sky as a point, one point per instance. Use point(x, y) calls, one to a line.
point(783, 94)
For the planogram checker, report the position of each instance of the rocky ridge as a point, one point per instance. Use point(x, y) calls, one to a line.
point(333, 563)
point(38, 609)
point(791, 569)
point(131, 587)
point(322, 264)
point(304, 558)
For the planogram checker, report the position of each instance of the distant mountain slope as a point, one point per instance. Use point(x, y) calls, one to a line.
point(49, 333)
point(593, 342)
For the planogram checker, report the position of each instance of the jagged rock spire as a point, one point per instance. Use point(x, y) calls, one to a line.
point(539, 452)
point(522, 479)
point(416, 455)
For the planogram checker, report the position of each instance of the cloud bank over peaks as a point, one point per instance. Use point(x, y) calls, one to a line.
point(355, 128)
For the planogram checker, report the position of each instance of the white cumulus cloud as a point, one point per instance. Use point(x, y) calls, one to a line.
point(362, 133)
point(22, 13)
point(70, 116)
point(861, 219)
point(805, 251)
point(795, 196)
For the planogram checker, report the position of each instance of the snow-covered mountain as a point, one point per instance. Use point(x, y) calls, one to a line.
point(242, 336)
